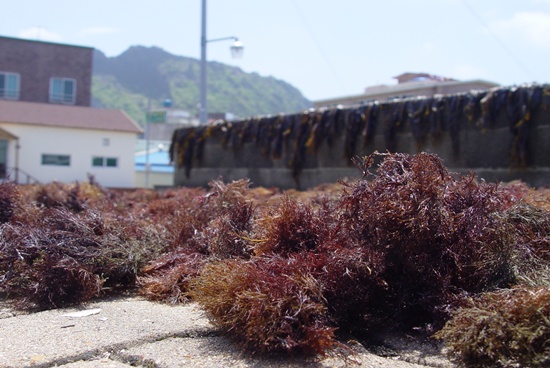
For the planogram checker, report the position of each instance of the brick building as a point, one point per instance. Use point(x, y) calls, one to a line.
point(36, 71)
point(48, 130)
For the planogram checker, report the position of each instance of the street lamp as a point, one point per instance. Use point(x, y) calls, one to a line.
point(236, 52)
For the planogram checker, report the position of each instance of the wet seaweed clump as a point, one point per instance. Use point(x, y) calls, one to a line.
point(267, 304)
point(42, 264)
point(438, 235)
point(53, 254)
point(505, 328)
point(410, 247)
point(273, 301)
point(57, 258)
point(398, 250)
point(530, 227)
point(212, 226)
point(8, 197)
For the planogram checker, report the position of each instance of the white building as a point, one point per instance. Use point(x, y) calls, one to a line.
point(48, 142)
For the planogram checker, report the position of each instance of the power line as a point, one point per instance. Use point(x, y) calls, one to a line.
point(499, 41)
point(317, 44)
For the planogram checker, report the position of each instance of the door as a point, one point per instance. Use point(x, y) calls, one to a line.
point(3, 157)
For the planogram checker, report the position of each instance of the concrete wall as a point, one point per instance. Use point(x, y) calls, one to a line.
point(156, 180)
point(501, 142)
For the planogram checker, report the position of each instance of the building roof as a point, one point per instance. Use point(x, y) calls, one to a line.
point(63, 116)
point(159, 161)
point(411, 88)
point(411, 77)
point(43, 42)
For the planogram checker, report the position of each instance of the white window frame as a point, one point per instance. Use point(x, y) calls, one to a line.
point(53, 163)
point(60, 96)
point(7, 93)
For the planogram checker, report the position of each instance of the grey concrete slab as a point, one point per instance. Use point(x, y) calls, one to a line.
point(50, 337)
point(129, 331)
point(217, 351)
point(96, 363)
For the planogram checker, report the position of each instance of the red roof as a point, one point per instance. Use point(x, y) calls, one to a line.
point(80, 117)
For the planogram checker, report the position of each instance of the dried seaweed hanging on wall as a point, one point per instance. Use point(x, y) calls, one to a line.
point(454, 106)
point(298, 156)
point(337, 119)
point(417, 112)
point(472, 109)
point(437, 117)
point(354, 126)
point(371, 122)
point(297, 135)
point(522, 105)
point(265, 134)
point(283, 128)
point(182, 150)
point(392, 124)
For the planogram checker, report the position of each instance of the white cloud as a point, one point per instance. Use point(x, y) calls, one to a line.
point(533, 27)
point(98, 30)
point(41, 34)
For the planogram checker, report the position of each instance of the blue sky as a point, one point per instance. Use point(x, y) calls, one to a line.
point(325, 49)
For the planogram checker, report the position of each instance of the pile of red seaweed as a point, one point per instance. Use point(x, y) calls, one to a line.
point(65, 244)
point(408, 247)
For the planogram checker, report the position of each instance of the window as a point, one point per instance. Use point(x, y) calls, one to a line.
point(9, 85)
point(63, 90)
point(56, 160)
point(104, 161)
point(111, 162)
point(97, 161)
point(106, 142)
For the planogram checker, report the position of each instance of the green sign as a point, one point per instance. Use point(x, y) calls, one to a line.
point(156, 117)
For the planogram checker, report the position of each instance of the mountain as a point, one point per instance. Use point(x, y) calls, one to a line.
point(145, 76)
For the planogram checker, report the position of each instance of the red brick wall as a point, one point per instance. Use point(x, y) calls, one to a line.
point(37, 62)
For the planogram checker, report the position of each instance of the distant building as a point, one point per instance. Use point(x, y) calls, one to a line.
point(49, 142)
point(154, 170)
point(45, 72)
point(409, 85)
point(48, 131)
point(163, 122)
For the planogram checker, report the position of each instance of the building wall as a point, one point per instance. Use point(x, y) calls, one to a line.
point(160, 173)
point(156, 180)
point(37, 62)
point(81, 145)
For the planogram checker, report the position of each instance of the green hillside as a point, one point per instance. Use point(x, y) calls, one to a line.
point(146, 76)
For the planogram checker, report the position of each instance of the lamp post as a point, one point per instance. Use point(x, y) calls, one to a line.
point(236, 51)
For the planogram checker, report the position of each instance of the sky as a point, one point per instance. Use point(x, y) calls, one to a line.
point(325, 49)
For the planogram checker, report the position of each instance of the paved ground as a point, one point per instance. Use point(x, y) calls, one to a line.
point(129, 331)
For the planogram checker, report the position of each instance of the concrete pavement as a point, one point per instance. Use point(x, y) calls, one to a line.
point(130, 331)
